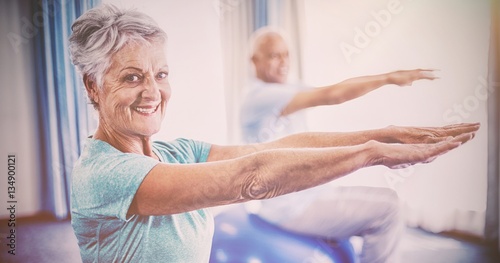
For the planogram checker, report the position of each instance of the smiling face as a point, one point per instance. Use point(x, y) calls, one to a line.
point(135, 91)
point(271, 59)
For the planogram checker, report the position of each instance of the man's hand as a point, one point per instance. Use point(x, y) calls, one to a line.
point(419, 135)
point(407, 77)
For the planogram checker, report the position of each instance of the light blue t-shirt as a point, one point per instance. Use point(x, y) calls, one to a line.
point(261, 121)
point(104, 183)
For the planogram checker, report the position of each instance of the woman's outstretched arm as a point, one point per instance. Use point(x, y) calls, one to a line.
point(267, 173)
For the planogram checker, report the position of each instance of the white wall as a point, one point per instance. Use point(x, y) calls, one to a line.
point(448, 35)
point(196, 109)
point(18, 129)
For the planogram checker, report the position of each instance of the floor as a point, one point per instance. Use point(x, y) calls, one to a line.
point(44, 241)
point(420, 246)
point(47, 241)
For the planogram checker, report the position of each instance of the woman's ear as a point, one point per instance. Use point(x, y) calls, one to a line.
point(91, 88)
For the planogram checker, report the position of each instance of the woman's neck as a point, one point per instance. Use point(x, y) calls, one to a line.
point(125, 143)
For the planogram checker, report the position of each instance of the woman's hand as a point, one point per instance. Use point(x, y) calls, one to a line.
point(407, 77)
point(397, 156)
point(423, 135)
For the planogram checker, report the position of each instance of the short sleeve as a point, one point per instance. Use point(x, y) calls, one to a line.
point(104, 184)
point(183, 151)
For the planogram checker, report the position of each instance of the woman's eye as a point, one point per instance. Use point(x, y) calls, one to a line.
point(162, 75)
point(132, 78)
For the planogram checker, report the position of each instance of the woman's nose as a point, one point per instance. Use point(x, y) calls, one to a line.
point(151, 90)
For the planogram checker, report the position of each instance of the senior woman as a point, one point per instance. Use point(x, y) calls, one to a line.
point(135, 200)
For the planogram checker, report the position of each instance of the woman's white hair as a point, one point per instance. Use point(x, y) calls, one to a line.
point(102, 31)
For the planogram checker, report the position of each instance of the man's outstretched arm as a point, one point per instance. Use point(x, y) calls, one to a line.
point(353, 88)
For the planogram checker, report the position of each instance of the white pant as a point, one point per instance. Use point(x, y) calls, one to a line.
point(369, 212)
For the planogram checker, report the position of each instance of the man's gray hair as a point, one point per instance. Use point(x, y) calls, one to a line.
point(102, 31)
point(261, 34)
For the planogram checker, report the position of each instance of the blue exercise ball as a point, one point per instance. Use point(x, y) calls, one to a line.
point(242, 237)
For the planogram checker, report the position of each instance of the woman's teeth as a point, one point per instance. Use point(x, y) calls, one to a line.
point(146, 110)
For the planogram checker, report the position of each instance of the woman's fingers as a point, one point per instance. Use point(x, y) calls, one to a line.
point(463, 138)
point(454, 130)
point(426, 153)
point(439, 134)
point(450, 143)
point(460, 129)
point(471, 126)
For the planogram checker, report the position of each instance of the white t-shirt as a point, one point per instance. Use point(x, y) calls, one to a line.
point(261, 121)
point(261, 110)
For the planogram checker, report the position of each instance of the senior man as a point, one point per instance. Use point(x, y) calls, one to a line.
point(274, 108)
